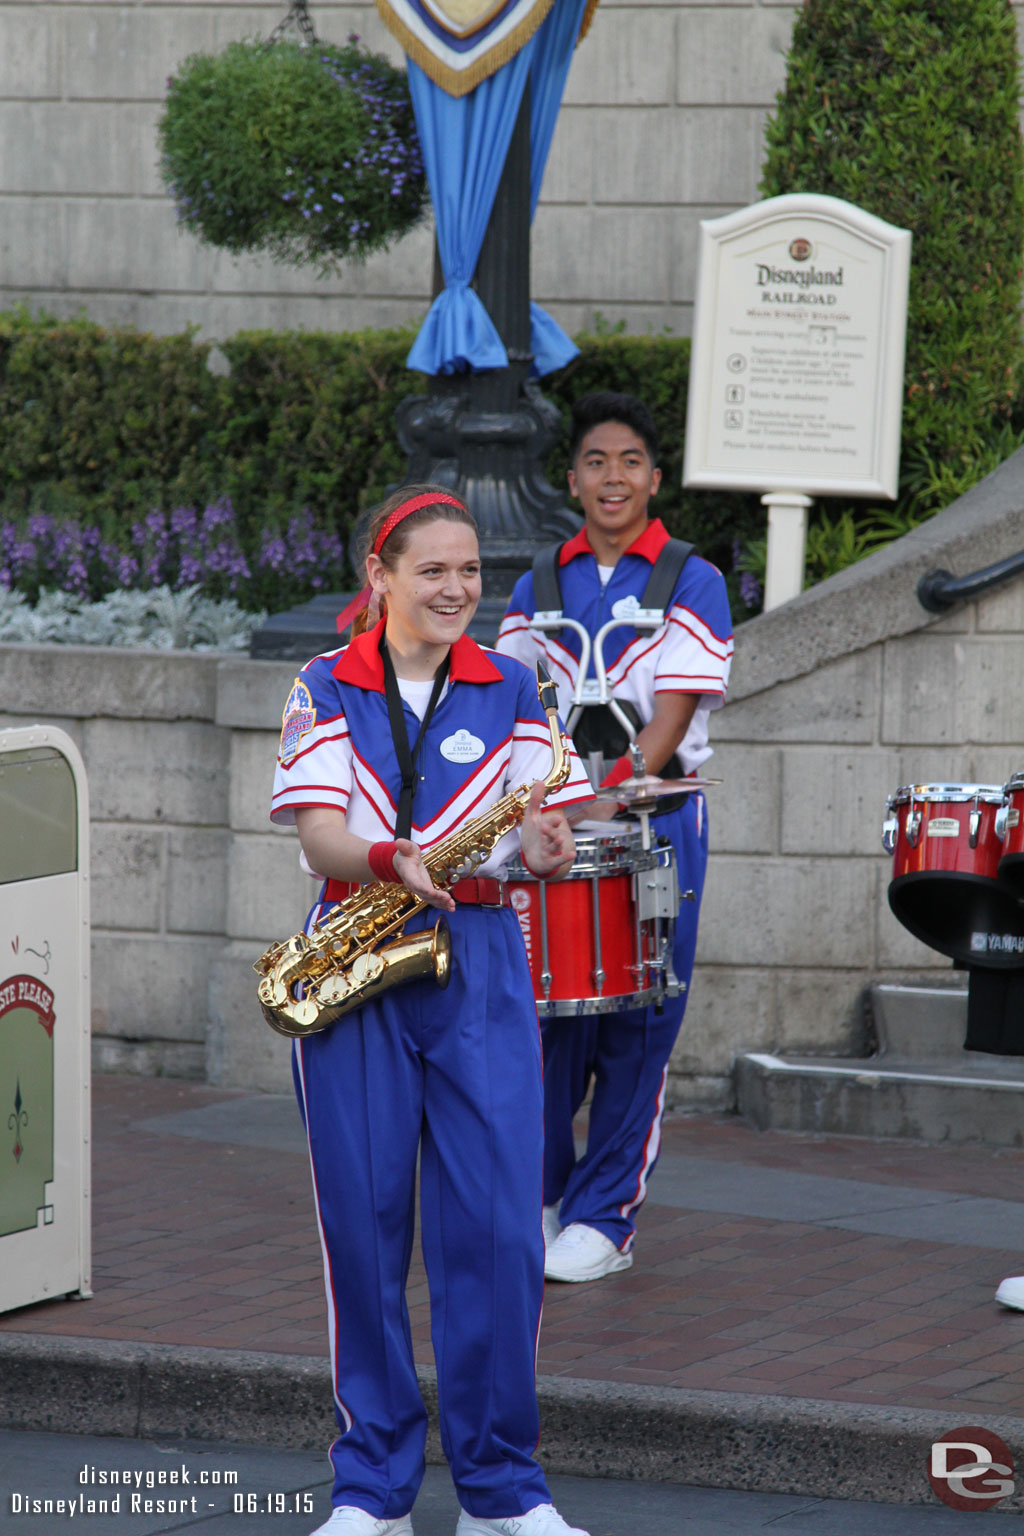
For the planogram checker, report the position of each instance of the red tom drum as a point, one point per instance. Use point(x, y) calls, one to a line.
point(1011, 819)
point(601, 939)
point(946, 847)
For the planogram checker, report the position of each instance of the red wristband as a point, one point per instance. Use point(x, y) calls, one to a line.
point(533, 872)
point(381, 859)
point(623, 769)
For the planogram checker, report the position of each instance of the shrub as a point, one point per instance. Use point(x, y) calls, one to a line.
point(136, 445)
point(308, 153)
point(115, 417)
point(159, 619)
point(908, 108)
point(308, 421)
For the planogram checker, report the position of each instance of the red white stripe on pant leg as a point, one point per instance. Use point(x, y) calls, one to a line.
point(332, 1305)
point(651, 1148)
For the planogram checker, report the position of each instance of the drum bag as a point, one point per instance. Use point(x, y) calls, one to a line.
point(597, 730)
point(995, 1012)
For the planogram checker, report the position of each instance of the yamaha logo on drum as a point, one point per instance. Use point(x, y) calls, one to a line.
point(519, 901)
point(997, 944)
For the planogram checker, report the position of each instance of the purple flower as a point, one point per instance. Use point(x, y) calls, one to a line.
point(750, 589)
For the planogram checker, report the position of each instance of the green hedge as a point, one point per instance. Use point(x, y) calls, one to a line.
point(909, 109)
point(117, 420)
point(104, 425)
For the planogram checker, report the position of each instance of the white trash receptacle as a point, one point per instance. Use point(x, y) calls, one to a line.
point(45, 1226)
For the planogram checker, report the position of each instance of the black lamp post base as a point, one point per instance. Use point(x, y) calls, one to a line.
point(493, 460)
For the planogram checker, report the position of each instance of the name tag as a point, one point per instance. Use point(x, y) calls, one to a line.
point(626, 607)
point(463, 747)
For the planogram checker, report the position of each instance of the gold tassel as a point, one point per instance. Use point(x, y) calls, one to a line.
point(588, 16)
point(460, 82)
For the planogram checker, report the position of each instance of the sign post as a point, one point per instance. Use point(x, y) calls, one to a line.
point(796, 375)
point(45, 1230)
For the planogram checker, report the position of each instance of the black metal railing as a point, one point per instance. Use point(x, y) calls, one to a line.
point(939, 590)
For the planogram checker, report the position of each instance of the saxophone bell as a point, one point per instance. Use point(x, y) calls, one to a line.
point(428, 952)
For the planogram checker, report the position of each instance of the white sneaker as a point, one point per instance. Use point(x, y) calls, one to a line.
point(552, 1225)
point(347, 1520)
point(1011, 1293)
point(542, 1520)
point(583, 1253)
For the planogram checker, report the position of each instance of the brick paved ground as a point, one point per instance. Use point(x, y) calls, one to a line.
point(213, 1245)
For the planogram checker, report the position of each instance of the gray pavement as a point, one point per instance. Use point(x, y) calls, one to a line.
point(234, 1489)
point(693, 1183)
point(806, 1314)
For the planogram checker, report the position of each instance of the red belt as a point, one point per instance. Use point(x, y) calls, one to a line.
point(474, 892)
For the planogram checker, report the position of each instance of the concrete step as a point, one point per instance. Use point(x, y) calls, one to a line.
point(921, 1083)
point(972, 1098)
point(929, 1022)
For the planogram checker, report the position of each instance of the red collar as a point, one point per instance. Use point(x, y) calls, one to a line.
point(361, 662)
point(650, 543)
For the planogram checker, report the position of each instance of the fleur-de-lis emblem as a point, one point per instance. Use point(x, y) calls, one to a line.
point(17, 1121)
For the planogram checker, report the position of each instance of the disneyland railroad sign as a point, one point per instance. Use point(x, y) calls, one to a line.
point(796, 377)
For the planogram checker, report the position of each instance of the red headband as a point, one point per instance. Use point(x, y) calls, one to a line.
point(429, 499)
point(391, 522)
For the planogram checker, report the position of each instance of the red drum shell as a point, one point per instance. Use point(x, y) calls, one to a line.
point(596, 894)
point(945, 889)
point(1011, 865)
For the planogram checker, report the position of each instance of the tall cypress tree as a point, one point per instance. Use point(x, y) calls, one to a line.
point(908, 108)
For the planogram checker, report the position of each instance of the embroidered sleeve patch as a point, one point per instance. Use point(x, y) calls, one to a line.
point(297, 721)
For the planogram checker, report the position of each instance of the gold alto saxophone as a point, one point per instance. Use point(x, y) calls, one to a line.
point(311, 980)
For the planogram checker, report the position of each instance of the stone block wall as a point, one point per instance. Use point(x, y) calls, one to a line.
point(837, 699)
point(158, 787)
point(661, 126)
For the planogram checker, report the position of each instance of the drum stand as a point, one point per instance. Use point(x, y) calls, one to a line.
point(594, 690)
point(656, 890)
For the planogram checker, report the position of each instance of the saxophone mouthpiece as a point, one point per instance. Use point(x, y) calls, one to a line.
point(546, 689)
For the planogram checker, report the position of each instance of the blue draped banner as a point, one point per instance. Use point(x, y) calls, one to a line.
point(465, 130)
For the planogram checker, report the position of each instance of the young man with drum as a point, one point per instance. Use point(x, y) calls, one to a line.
point(672, 678)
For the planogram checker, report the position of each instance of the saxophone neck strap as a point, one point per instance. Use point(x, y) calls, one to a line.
point(400, 735)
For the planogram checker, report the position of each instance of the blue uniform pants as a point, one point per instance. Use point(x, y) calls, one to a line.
point(454, 1076)
point(627, 1055)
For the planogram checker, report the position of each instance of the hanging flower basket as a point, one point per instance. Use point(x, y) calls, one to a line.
point(308, 153)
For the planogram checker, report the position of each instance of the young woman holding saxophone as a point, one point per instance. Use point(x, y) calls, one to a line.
point(387, 746)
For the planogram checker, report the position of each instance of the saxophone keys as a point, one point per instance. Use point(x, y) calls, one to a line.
point(366, 968)
point(304, 1015)
point(273, 992)
point(333, 989)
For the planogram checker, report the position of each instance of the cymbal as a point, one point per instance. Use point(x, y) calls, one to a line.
point(632, 791)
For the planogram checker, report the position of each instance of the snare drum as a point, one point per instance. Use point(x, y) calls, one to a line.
point(600, 939)
point(1011, 824)
point(946, 848)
